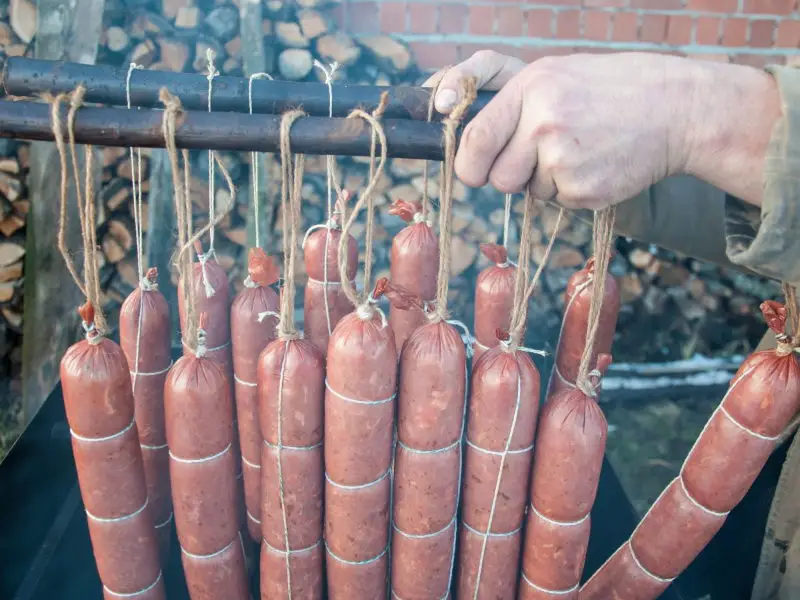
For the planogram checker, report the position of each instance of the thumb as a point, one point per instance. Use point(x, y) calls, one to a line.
point(491, 69)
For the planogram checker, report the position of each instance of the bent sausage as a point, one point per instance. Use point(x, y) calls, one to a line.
point(144, 335)
point(324, 300)
point(430, 413)
point(763, 398)
point(572, 337)
point(494, 298)
point(253, 321)
point(504, 392)
point(413, 265)
point(568, 456)
point(199, 416)
point(291, 391)
point(359, 414)
point(99, 403)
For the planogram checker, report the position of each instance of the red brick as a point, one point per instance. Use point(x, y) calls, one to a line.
point(762, 33)
point(654, 28)
point(364, 17)
point(481, 19)
point(509, 20)
point(556, 2)
point(532, 53)
point(679, 30)
point(707, 31)
point(597, 25)
point(770, 7)
point(568, 24)
point(657, 4)
point(540, 23)
point(431, 56)
point(758, 60)
point(788, 34)
point(422, 18)
point(452, 18)
point(393, 17)
point(734, 32)
point(467, 50)
point(710, 57)
point(605, 3)
point(626, 27)
point(721, 6)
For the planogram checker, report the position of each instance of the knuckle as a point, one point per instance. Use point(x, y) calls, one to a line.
point(486, 56)
point(507, 181)
point(478, 137)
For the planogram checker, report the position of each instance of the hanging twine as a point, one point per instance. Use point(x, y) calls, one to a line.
point(291, 195)
point(603, 238)
point(425, 170)
point(366, 302)
point(447, 176)
point(507, 220)
point(792, 317)
point(90, 284)
point(254, 160)
point(212, 73)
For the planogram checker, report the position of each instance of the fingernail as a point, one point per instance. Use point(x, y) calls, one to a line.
point(445, 100)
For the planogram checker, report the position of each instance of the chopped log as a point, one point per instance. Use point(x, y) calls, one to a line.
point(234, 47)
point(149, 22)
point(13, 318)
point(312, 24)
point(172, 8)
point(117, 39)
point(10, 253)
point(11, 272)
point(174, 54)
point(117, 193)
point(295, 64)
point(23, 19)
point(231, 66)
point(112, 155)
point(23, 156)
point(117, 241)
point(22, 207)
point(562, 256)
point(16, 49)
point(50, 320)
point(338, 47)
point(290, 35)
point(6, 34)
point(144, 53)
point(7, 290)
point(188, 17)
point(406, 167)
point(10, 187)
point(462, 256)
point(11, 224)
point(128, 272)
point(389, 52)
point(406, 192)
point(9, 165)
point(237, 235)
point(124, 168)
point(640, 258)
point(223, 22)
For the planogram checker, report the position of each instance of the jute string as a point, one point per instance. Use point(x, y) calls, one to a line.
point(90, 284)
point(254, 159)
point(603, 238)
point(292, 168)
point(212, 73)
point(365, 197)
point(426, 167)
point(506, 221)
point(447, 176)
point(792, 317)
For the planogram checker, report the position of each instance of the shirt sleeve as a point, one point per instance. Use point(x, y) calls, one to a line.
point(766, 240)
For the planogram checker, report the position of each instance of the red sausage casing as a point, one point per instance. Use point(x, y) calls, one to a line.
point(414, 266)
point(319, 320)
point(359, 414)
point(99, 404)
point(494, 298)
point(249, 336)
point(500, 380)
point(199, 416)
point(763, 398)
point(430, 417)
point(572, 337)
point(291, 391)
point(144, 335)
point(568, 456)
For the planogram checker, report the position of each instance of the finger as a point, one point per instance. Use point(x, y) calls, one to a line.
point(487, 134)
point(491, 69)
point(516, 163)
point(543, 186)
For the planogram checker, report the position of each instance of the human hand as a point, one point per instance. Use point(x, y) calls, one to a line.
point(592, 130)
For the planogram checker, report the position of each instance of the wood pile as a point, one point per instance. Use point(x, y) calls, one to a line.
point(672, 306)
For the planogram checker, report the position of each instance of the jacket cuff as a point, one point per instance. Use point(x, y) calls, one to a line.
point(767, 240)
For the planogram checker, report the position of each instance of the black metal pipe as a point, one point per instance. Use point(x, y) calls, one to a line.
point(106, 85)
point(224, 131)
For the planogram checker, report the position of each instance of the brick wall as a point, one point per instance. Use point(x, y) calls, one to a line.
point(444, 31)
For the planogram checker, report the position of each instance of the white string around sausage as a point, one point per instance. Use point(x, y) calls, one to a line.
point(134, 594)
point(212, 212)
point(499, 452)
point(484, 534)
point(252, 518)
point(583, 519)
point(241, 381)
point(455, 444)
point(646, 571)
point(272, 548)
point(207, 350)
point(354, 401)
point(755, 434)
point(213, 554)
point(556, 371)
point(691, 498)
point(356, 563)
point(153, 448)
point(166, 521)
point(294, 448)
point(254, 162)
point(127, 517)
point(201, 460)
point(105, 438)
point(152, 373)
point(249, 464)
point(358, 486)
point(426, 536)
point(281, 484)
point(546, 591)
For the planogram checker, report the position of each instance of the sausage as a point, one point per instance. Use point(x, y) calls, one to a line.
point(568, 456)
point(572, 337)
point(251, 330)
point(413, 265)
point(430, 424)
point(99, 404)
point(148, 351)
point(322, 311)
point(359, 414)
point(494, 298)
point(502, 383)
point(740, 435)
point(291, 391)
point(199, 417)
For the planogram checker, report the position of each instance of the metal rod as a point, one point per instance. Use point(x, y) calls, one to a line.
point(106, 85)
point(224, 131)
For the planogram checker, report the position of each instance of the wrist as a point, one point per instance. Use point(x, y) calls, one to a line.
point(730, 118)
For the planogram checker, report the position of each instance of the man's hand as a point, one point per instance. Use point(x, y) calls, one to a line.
point(593, 130)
